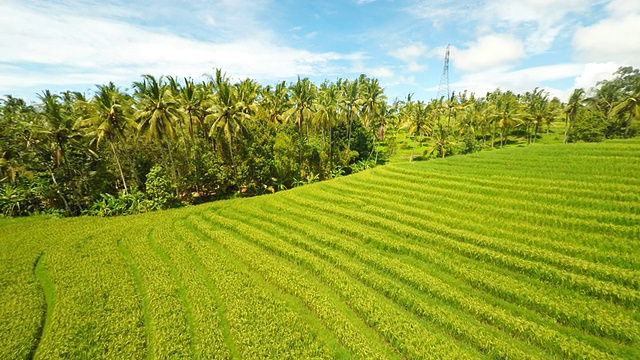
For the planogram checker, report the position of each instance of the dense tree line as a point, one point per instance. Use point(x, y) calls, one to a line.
point(176, 140)
point(171, 140)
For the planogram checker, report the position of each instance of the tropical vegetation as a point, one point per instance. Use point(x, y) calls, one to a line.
point(72, 153)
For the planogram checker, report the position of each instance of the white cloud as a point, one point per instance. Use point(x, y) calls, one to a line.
point(439, 12)
point(399, 81)
point(410, 54)
point(487, 52)
point(381, 72)
point(519, 80)
point(537, 22)
point(67, 48)
point(538, 11)
point(594, 72)
point(612, 39)
point(409, 80)
point(621, 8)
point(415, 67)
point(584, 76)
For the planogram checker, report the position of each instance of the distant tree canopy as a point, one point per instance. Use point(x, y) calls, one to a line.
point(177, 140)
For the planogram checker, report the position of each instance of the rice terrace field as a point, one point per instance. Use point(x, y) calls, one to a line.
point(521, 253)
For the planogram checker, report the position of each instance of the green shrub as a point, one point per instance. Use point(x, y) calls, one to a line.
point(123, 204)
point(159, 188)
point(590, 127)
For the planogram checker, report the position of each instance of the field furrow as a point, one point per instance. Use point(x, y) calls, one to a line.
point(341, 255)
point(417, 280)
point(261, 323)
point(470, 215)
point(409, 336)
point(490, 237)
point(519, 253)
point(470, 246)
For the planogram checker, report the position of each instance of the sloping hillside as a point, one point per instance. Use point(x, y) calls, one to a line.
point(517, 253)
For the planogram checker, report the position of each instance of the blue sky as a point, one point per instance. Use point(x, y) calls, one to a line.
point(517, 45)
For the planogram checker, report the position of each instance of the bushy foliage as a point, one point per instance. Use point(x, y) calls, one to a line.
point(159, 188)
point(219, 138)
point(469, 144)
point(589, 126)
point(123, 204)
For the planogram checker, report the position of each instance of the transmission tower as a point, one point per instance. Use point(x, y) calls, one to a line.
point(444, 78)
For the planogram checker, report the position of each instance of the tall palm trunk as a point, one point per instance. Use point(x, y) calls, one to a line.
point(349, 130)
point(233, 164)
point(301, 145)
point(55, 182)
point(190, 126)
point(628, 125)
point(330, 150)
point(124, 182)
point(493, 135)
point(173, 165)
point(74, 186)
point(567, 129)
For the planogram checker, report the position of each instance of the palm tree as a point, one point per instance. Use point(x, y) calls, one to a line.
point(108, 120)
point(325, 109)
point(302, 98)
point(455, 105)
point(392, 118)
point(326, 112)
point(189, 100)
point(509, 114)
point(571, 110)
point(275, 102)
point(373, 108)
point(14, 121)
point(247, 93)
point(630, 105)
point(417, 121)
point(350, 102)
point(556, 110)
point(156, 112)
point(226, 115)
point(56, 125)
point(539, 111)
point(471, 118)
point(373, 100)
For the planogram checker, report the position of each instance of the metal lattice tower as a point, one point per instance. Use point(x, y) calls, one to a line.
point(444, 78)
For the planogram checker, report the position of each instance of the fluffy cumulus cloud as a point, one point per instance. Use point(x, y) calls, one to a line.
point(594, 72)
point(410, 55)
point(517, 45)
point(381, 72)
point(543, 12)
point(487, 52)
point(518, 80)
point(614, 38)
point(77, 48)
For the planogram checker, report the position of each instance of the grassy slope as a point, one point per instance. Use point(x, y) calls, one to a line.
point(523, 253)
point(418, 148)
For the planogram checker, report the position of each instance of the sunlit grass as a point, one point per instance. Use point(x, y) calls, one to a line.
point(527, 252)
